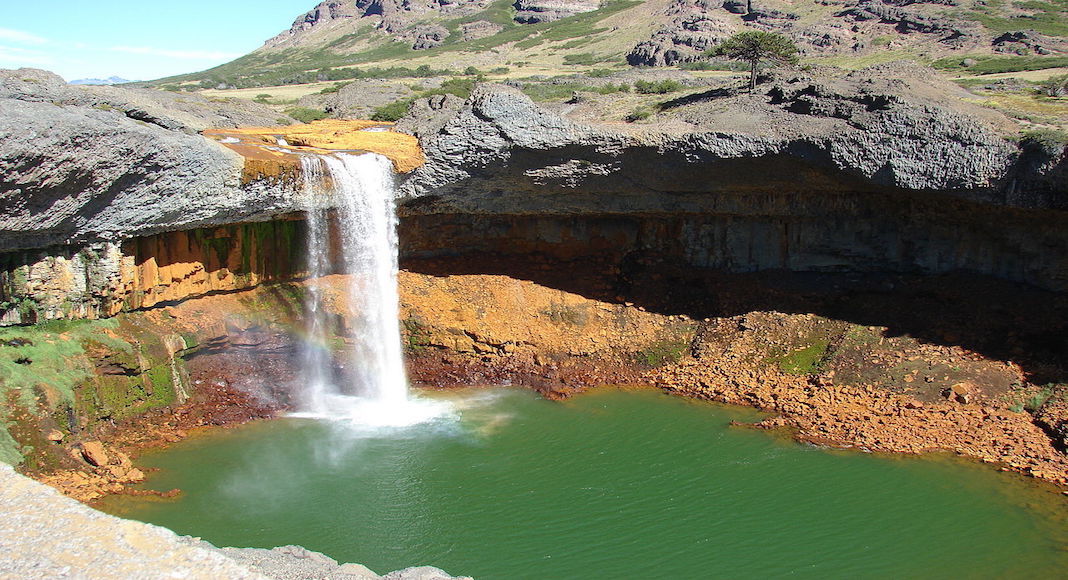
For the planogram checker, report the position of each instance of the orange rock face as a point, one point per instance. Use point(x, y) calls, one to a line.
point(274, 152)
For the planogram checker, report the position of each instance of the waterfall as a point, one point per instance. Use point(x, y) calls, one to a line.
point(363, 379)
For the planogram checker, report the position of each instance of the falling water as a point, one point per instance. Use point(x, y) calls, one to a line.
point(364, 379)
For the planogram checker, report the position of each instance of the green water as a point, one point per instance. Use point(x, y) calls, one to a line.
point(614, 484)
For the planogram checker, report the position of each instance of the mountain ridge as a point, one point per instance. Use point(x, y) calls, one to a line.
point(570, 35)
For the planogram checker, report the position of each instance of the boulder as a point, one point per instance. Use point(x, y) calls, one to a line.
point(94, 453)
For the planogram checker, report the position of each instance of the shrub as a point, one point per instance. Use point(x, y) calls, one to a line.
point(1052, 141)
point(697, 65)
point(333, 88)
point(657, 87)
point(262, 98)
point(461, 87)
point(392, 112)
point(639, 114)
point(585, 58)
point(306, 115)
point(1055, 86)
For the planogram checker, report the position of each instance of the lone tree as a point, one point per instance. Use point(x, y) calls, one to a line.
point(754, 46)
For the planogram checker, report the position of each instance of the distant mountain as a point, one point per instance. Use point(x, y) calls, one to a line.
point(107, 81)
point(571, 35)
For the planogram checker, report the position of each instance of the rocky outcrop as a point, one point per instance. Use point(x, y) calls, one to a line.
point(44, 534)
point(322, 16)
point(359, 99)
point(479, 29)
point(866, 131)
point(846, 169)
point(694, 26)
point(78, 169)
point(534, 11)
point(404, 20)
point(180, 112)
point(1027, 42)
point(429, 36)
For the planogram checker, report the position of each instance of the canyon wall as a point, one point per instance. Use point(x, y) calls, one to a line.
point(856, 172)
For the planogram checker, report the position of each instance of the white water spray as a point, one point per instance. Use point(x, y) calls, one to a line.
point(363, 380)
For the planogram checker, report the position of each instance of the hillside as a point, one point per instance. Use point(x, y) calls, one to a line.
point(339, 40)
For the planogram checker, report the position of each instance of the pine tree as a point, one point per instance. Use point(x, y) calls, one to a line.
point(754, 46)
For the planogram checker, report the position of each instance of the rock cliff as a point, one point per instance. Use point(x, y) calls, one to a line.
point(877, 170)
point(881, 169)
point(105, 164)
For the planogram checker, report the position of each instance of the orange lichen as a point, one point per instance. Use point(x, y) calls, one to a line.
point(274, 151)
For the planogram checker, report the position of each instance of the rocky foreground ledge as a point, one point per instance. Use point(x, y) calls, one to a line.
point(46, 535)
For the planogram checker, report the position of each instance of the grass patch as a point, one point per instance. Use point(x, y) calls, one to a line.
point(663, 353)
point(806, 360)
point(584, 58)
point(657, 87)
point(392, 112)
point(639, 114)
point(306, 115)
point(543, 92)
point(50, 358)
point(1050, 17)
point(986, 64)
point(1052, 141)
point(10, 450)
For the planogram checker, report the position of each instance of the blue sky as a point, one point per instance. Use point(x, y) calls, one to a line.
point(138, 40)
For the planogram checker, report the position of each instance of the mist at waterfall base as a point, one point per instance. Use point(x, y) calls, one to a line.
point(360, 381)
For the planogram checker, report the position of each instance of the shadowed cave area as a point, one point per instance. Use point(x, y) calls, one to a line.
point(722, 266)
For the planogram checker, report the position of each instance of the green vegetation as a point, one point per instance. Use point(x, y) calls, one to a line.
point(50, 356)
point(50, 367)
point(1055, 86)
point(306, 115)
point(392, 112)
point(333, 88)
point(639, 114)
point(1052, 141)
point(302, 66)
point(657, 87)
point(416, 334)
point(10, 450)
point(1035, 402)
point(754, 47)
point(585, 58)
point(664, 352)
point(557, 91)
point(1047, 16)
point(987, 64)
point(460, 87)
point(806, 360)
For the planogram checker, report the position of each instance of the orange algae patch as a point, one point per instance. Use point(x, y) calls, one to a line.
point(275, 151)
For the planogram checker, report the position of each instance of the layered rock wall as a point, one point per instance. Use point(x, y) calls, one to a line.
point(103, 279)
